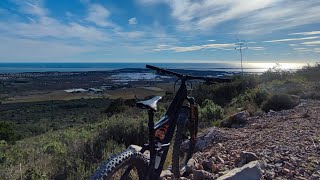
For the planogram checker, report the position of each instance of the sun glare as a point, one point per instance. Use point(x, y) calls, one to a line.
point(285, 66)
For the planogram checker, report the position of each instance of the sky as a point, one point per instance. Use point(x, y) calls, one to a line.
point(159, 30)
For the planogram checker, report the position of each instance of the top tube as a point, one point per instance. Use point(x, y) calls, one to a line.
point(188, 77)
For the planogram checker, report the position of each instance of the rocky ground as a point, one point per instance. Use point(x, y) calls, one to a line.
point(274, 145)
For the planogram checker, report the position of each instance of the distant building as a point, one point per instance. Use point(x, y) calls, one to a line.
point(80, 90)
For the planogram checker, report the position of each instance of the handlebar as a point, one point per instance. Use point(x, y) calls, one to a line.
point(187, 77)
point(164, 71)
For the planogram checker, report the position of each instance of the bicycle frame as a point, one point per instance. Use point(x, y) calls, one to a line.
point(161, 133)
point(170, 120)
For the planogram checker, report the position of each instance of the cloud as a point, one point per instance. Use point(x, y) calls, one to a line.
point(306, 33)
point(299, 49)
point(316, 50)
point(311, 43)
point(257, 48)
point(244, 17)
point(31, 50)
point(34, 9)
point(305, 50)
point(47, 27)
point(98, 15)
point(132, 34)
point(133, 21)
point(194, 47)
point(211, 40)
point(293, 39)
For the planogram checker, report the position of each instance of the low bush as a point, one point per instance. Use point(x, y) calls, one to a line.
point(275, 73)
point(209, 112)
point(311, 73)
point(117, 106)
point(223, 93)
point(251, 100)
point(279, 102)
point(7, 132)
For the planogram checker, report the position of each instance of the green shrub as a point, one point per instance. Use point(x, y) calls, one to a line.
point(275, 73)
point(210, 112)
point(126, 130)
point(7, 132)
point(250, 100)
point(117, 106)
point(223, 93)
point(259, 96)
point(311, 73)
point(279, 102)
point(55, 147)
point(31, 174)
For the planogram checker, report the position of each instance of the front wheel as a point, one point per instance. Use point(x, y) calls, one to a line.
point(129, 164)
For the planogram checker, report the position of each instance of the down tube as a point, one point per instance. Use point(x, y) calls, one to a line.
point(172, 113)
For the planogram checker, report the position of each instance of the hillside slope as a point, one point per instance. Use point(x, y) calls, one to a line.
point(286, 144)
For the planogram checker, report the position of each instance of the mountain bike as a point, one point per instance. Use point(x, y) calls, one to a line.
point(147, 162)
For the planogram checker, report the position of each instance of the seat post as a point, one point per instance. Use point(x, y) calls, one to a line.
point(151, 142)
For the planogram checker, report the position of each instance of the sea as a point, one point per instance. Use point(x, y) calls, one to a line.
point(81, 67)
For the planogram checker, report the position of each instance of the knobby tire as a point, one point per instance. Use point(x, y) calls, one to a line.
point(129, 157)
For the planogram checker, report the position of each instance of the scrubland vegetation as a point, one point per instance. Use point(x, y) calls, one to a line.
point(72, 149)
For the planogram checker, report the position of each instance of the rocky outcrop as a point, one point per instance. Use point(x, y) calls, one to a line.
point(246, 157)
point(250, 171)
point(235, 121)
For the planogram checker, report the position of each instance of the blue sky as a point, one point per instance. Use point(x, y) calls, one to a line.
point(159, 30)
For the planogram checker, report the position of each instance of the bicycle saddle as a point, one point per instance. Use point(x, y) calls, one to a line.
point(150, 104)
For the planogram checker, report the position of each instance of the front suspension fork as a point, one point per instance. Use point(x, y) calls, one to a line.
point(193, 126)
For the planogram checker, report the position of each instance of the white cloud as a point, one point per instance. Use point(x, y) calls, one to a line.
point(283, 14)
point(254, 16)
point(194, 47)
point(133, 21)
point(132, 34)
point(311, 43)
point(30, 50)
point(211, 40)
point(48, 27)
point(98, 15)
point(294, 39)
point(306, 33)
point(257, 48)
point(34, 9)
point(299, 49)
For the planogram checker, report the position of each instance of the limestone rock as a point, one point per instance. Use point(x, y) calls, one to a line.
point(246, 157)
point(166, 174)
point(202, 174)
point(250, 171)
point(191, 165)
point(235, 121)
